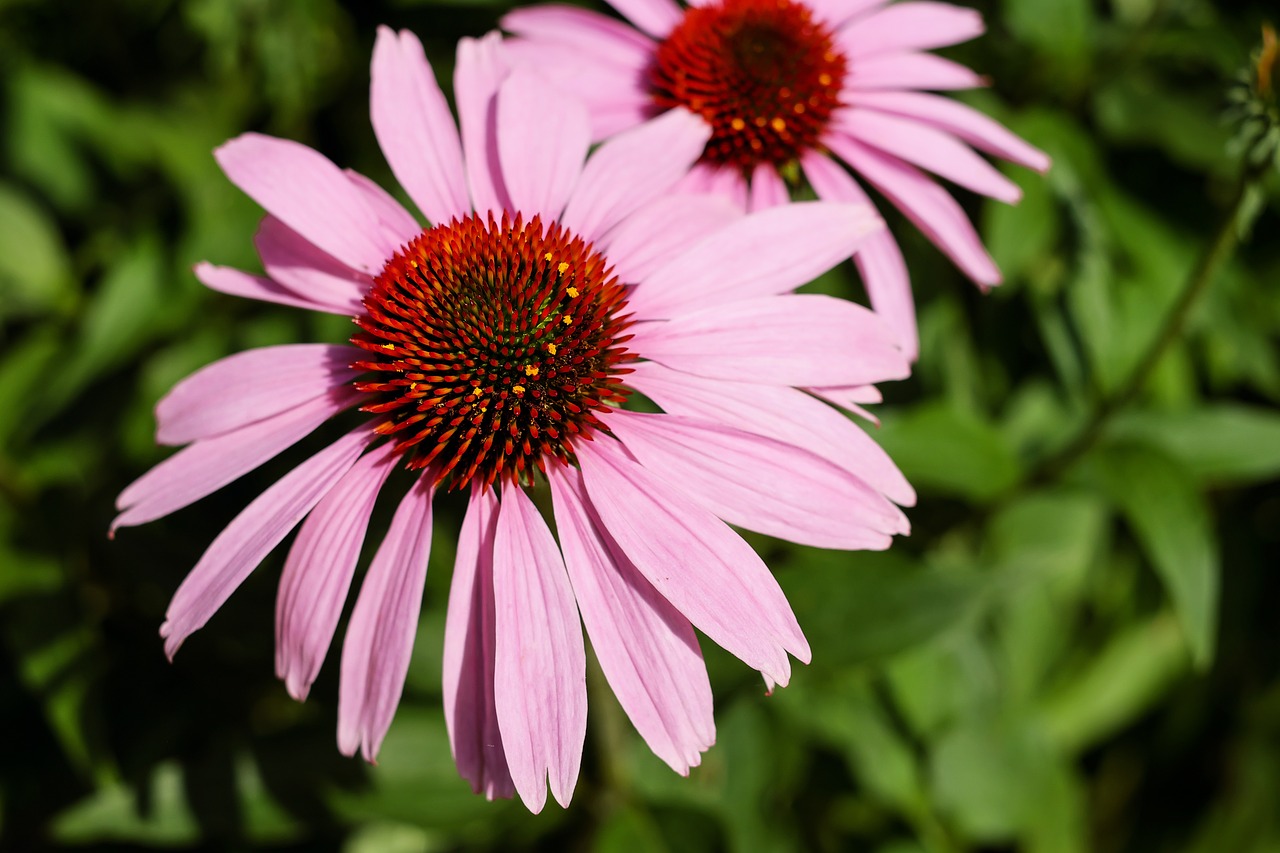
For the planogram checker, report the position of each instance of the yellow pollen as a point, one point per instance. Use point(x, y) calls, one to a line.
point(530, 370)
point(737, 124)
point(824, 79)
point(572, 291)
point(551, 348)
point(566, 319)
point(547, 256)
point(563, 266)
point(778, 125)
point(388, 346)
point(519, 389)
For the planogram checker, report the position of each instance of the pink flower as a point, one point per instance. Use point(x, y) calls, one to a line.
point(813, 83)
point(494, 350)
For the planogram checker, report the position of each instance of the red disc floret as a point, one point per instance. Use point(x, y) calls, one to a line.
point(765, 74)
point(493, 345)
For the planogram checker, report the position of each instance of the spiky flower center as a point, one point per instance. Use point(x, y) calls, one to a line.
point(493, 346)
point(764, 73)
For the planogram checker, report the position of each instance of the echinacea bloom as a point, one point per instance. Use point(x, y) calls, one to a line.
point(799, 86)
point(493, 352)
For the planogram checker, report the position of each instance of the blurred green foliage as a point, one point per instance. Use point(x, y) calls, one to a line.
point(1083, 660)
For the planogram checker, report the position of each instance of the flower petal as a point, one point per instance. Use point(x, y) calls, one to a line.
point(251, 535)
point(292, 260)
point(795, 339)
point(910, 71)
point(415, 128)
point(761, 483)
point(233, 282)
point(767, 187)
point(656, 17)
point(481, 68)
point(662, 229)
point(590, 33)
point(318, 571)
point(648, 651)
point(469, 710)
point(249, 386)
point(769, 252)
point(632, 169)
point(308, 193)
point(206, 466)
point(542, 141)
point(836, 12)
point(708, 179)
point(541, 665)
point(397, 223)
point(693, 560)
point(920, 25)
point(384, 623)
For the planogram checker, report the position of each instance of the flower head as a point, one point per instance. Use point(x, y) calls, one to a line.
point(791, 87)
point(494, 350)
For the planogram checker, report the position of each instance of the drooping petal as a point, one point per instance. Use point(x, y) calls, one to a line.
point(311, 195)
point(655, 17)
point(541, 665)
point(767, 187)
point(480, 70)
point(910, 71)
point(206, 466)
point(542, 142)
point(384, 623)
point(918, 25)
point(879, 260)
point(761, 483)
point(415, 128)
point(648, 651)
point(769, 252)
point(599, 36)
point(633, 168)
point(850, 398)
point(794, 339)
point(292, 260)
point(783, 413)
point(469, 710)
point(249, 386)
point(927, 148)
point(693, 560)
point(318, 571)
point(251, 535)
point(233, 282)
point(663, 229)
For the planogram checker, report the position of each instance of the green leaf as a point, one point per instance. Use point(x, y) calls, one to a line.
point(629, 830)
point(35, 277)
point(1050, 535)
point(1222, 444)
point(1163, 505)
point(115, 814)
point(944, 450)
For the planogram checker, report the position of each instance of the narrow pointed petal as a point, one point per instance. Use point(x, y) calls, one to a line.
point(233, 282)
point(760, 483)
point(929, 207)
point(206, 466)
point(920, 25)
point(542, 143)
point(693, 560)
point(250, 386)
point(663, 229)
point(415, 128)
point(794, 339)
point(769, 252)
point(291, 260)
point(850, 398)
point(783, 413)
point(397, 223)
point(910, 71)
point(648, 651)
point(767, 188)
point(311, 195)
point(469, 710)
point(656, 17)
point(596, 35)
point(252, 534)
point(384, 623)
point(541, 665)
point(318, 571)
point(481, 68)
point(633, 168)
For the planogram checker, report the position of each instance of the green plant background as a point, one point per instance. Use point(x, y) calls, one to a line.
point(1081, 661)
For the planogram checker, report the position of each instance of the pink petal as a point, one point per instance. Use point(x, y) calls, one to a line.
point(959, 120)
point(318, 571)
point(397, 223)
point(782, 413)
point(541, 665)
point(769, 252)
point(542, 141)
point(926, 204)
point(590, 33)
point(910, 71)
point(290, 259)
point(656, 17)
point(663, 229)
point(761, 483)
point(648, 651)
point(796, 339)
point(469, 710)
point(767, 187)
point(706, 179)
point(693, 560)
point(384, 623)
point(249, 386)
point(849, 398)
point(415, 128)
point(633, 168)
point(837, 12)
point(918, 25)
point(308, 193)
point(879, 260)
point(481, 68)
point(206, 466)
point(233, 282)
point(251, 535)
point(927, 148)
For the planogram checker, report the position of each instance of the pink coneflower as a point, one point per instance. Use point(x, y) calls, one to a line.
point(791, 87)
point(493, 352)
